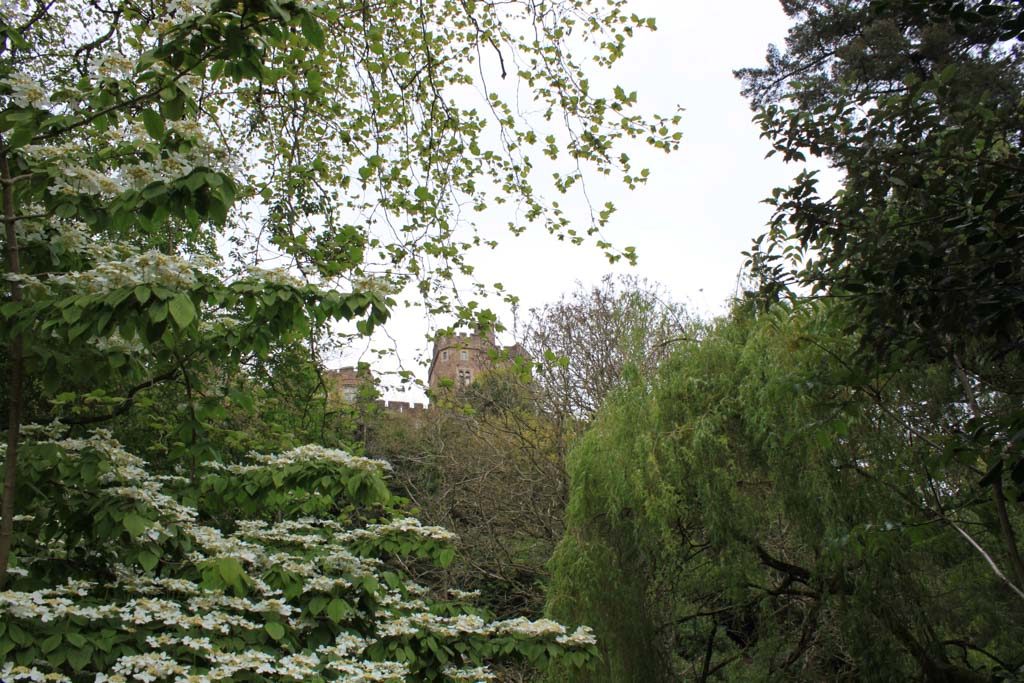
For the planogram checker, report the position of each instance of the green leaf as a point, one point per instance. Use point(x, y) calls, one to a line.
point(337, 609)
point(445, 557)
point(275, 630)
point(317, 604)
point(158, 312)
point(18, 635)
point(50, 644)
point(230, 569)
point(142, 293)
point(182, 310)
point(135, 524)
point(21, 136)
point(80, 658)
point(312, 31)
point(148, 560)
point(154, 124)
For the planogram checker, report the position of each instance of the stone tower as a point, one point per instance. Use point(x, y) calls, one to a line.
point(461, 358)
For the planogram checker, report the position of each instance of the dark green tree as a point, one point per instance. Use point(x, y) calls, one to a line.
point(920, 105)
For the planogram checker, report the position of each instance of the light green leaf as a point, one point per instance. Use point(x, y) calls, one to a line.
point(148, 560)
point(337, 609)
point(275, 630)
point(80, 658)
point(230, 569)
point(182, 310)
point(50, 644)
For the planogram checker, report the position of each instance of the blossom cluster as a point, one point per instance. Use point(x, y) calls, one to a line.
point(194, 633)
point(75, 171)
point(148, 268)
point(26, 91)
point(309, 453)
point(275, 276)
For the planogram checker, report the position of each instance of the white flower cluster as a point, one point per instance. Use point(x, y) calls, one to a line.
point(187, 623)
point(147, 667)
point(52, 605)
point(112, 65)
point(10, 672)
point(476, 674)
point(371, 672)
point(524, 627)
point(466, 624)
point(582, 636)
point(75, 165)
point(275, 276)
point(149, 268)
point(84, 180)
point(180, 11)
point(115, 343)
point(143, 611)
point(25, 91)
point(64, 237)
point(406, 525)
point(306, 454)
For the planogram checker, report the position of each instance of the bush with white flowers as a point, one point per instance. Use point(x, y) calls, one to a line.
point(275, 567)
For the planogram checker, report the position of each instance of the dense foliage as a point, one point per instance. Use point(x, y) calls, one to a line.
point(919, 105)
point(766, 512)
point(827, 485)
point(338, 142)
point(284, 566)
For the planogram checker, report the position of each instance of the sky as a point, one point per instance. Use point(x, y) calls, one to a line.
point(700, 208)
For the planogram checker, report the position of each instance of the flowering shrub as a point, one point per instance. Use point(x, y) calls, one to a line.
point(137, 139)
point(274, 567)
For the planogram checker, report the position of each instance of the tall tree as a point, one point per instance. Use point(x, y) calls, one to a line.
point(766, 512)
point(918, 104)
point(129, 131)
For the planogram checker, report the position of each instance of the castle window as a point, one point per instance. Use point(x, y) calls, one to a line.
point(444, 355)
point(463, 355)
point(465, 376)
point(349, 394)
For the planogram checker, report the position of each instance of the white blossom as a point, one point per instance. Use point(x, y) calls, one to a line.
point(25, 91)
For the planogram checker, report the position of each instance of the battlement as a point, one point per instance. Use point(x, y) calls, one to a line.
point(405, 407)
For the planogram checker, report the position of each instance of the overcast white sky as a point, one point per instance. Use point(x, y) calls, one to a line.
point(702, 204)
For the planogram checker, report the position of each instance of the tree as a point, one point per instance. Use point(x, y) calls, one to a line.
point(918, 104)
point(489, 465)
point(584, 342)
point(768, 513)
point(136, 140)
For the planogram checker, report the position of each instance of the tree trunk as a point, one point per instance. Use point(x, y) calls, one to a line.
point(16, 360)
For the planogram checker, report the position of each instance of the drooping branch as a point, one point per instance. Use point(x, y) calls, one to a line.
point(1005, 527)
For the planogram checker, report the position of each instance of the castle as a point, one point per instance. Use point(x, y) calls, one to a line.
point(459, 359)
point(456, 362)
